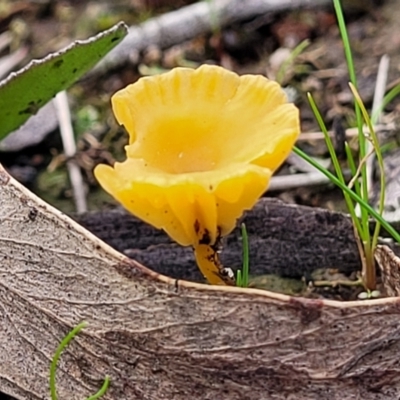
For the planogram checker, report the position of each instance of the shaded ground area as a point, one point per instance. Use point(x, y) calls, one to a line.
point(259, 45)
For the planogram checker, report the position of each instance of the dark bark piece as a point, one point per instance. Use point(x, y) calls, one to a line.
point(285, 239)
point(389, 264)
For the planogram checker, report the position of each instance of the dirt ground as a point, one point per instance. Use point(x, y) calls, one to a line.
point(253, 46)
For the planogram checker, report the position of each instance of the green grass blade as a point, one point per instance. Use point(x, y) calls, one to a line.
point(353, 79)
point(386, 100)
point(327, 138)
point(102, 390)
point(375, 143)
point(389, 228)
point(293, 55)
point(245, 244)
point(53, 366)
point(353, 168)
point(345, 40)
point(361, 228)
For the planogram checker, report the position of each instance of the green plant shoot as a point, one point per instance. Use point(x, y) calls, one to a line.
point(359, 195)
point(389, 228)
point(53, 367)
point(293, 55)
point(242, 278)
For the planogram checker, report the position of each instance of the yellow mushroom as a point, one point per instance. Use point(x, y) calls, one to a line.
point(203, 144)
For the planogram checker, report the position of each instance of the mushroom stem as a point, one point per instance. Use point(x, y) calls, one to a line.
point(208, 261)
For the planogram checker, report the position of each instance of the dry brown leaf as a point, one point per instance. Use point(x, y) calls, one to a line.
point(389, 264)
point(160, 338)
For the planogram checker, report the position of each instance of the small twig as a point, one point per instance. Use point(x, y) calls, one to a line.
point(380, 87)
point(67, 135)
point(351, 132)
point(191, 21)
point(294, 181)
point(337, 283)
point(360, 166)
point(379, 94)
